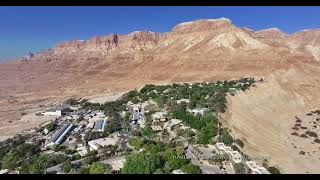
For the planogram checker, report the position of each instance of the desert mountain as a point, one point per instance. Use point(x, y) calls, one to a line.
point(200, 50)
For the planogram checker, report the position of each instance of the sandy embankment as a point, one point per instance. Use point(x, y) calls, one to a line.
point(263, 118)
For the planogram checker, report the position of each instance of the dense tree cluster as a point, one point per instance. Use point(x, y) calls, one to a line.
point(16, 155)
point(157, 158)
point(39, 163)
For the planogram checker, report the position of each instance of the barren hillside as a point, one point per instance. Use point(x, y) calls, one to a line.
point(206, 49)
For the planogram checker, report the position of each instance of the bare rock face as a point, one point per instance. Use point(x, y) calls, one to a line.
point(202, 25)
point(272, 36)
point(142, 39)
point(269, 33)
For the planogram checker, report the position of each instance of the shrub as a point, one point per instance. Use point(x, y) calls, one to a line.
point(175, 158)
point(274, 170)
point(67, 166)
point(303, 136)
point(317, 112)
point(225, 138)
point(51, 126)
point(191, 169)
point(294, 134)
point(295, 128)
point(240, 143)
point(137, 142)
point(147, 131)
point(235, 148)
point(141, 163)
point(312, 134)
point(239, 168)
point(317, 140)
point(97, 168)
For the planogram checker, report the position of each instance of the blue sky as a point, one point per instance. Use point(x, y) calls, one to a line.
point(24, 29)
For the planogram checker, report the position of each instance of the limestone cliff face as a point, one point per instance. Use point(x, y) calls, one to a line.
point(218, 37)
point(203, 25)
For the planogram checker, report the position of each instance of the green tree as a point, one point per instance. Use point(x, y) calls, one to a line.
point(97, 168)
point(240, 143)
point(225, 138)
point(147, 131)
point(274, 170)
point(67, 166)
point(239, 168)
point(175, 158)
point(159, 171)
point(191, 169)
point(206, 133)
point(137, 142)
point(141, 163)
point(112, 126)
point(51, 126)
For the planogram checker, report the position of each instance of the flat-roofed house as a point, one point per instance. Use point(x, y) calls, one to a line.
point(236, 157)
point(112, 140)
point(58, 111)
point(254, 168)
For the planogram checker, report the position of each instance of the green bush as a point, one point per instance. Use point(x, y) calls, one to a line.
point(67, 166)
point(23, 151)
point(137, 142)
point(274, 170)
point(239, 168)
point(175, 158)
point(141, 163)
point(191, 169)
point(207, 133)
point(97, 168)
point(240, 143)
point(225, 138)
point(147, 131)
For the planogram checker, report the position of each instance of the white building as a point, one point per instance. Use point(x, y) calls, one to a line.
point(254, 168)
point(112, 140)
point(55, 111)
point(235, 156)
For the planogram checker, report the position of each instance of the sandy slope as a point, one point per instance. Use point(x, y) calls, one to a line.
point(263, 118)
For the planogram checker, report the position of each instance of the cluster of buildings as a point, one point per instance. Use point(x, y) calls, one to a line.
point(236, 157)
